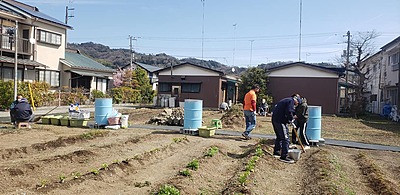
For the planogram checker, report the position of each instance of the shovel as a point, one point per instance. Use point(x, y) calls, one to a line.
point(36, 119)
point(297, 136)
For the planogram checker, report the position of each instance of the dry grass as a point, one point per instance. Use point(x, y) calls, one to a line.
point(369, 129)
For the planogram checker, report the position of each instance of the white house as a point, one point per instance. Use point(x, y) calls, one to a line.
point(382, 86)
point(40, 43)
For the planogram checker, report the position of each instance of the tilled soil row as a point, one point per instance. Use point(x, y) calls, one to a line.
point(376, 178)
point(16, 153)
point(213, 175)
point(33, 169)
point(141, 172)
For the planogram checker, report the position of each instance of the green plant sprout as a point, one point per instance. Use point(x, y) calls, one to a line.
point(62, 178)
point(116, 161)
point(212, 151)
point(76, 175)
point(104, 166)
point(95, 171)
point(168, 190)
point(43, 183)
point(194, 165)
point(185, 172)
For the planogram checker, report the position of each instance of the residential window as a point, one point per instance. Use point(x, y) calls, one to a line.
point(49, 76)
point(49, 37)
point(394, 60)
point(8, 74)
point(191, 87)
point(101, 85)
point(164, 87)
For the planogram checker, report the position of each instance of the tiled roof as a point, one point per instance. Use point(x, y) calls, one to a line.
point(147, 67)
point(33, 11)
point(20, 61)
point(188, 63)
point(76, 60)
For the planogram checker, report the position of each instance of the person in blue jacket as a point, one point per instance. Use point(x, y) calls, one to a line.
point(22, 111)
point(282, 115)
point(13, 104)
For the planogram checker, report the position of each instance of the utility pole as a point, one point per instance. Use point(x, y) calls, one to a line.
point(347, 66)
point(234, 44)
point(131, 38)
point(301, 9)
point(202, 33)
point(67, 15)
point(130, 50)
point(251, 50)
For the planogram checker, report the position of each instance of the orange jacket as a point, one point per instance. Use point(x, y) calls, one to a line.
point(250, 101)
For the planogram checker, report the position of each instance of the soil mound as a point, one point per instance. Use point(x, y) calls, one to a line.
point(233, 117)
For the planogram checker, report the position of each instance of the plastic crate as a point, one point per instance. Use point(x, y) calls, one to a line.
point(78, 123)
point(64, 121)
point(46, 119)
point(206, 131)
point(55, 120)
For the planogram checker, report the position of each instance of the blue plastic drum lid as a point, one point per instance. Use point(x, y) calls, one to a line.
point(313, 131)
point(102, 109)
point(193, 114)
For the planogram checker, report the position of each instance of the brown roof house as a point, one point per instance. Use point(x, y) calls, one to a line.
point(317, 83)
point(191, 81)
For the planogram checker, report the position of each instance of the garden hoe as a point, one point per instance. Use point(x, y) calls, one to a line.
point(297, 136)
point(36, 119)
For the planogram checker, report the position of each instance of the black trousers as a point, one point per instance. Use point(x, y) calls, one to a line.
point(301, 130)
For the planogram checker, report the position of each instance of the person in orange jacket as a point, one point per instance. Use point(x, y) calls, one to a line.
point(250, 109)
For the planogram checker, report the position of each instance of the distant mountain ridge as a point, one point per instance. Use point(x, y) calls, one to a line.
point(115, 58)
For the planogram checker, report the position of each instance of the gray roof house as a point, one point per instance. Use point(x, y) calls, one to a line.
point(82, 71)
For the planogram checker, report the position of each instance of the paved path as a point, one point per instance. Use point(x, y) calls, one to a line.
point(343, 143)
point(5, 117)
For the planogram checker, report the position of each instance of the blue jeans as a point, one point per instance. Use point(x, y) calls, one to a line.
point(250, 118)
point(282, 139)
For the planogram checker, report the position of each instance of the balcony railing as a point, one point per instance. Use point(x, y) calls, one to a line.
point(8, 44)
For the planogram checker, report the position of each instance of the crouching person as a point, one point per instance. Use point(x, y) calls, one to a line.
point(22, 111)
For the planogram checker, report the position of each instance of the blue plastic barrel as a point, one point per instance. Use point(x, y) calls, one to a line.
point(102, 109)
point(313, 130)
point(193, 114)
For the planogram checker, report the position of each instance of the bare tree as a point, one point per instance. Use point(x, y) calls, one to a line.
point(362, 45)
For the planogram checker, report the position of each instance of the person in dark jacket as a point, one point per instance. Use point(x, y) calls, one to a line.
point(13, 104)
point(301, 116)
point(281, 117)
point(22, 111)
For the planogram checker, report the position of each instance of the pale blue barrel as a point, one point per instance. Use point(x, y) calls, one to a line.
point(102, 110)
point(193, 114)
point(313, 131)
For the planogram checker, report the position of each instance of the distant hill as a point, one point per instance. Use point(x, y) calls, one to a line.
point(120, 57)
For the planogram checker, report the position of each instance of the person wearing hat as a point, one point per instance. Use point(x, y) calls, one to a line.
point(281, 117)
point(22, 111)
point(250, 109)
point(301, 116)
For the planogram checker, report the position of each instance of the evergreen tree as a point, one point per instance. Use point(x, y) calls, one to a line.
point(251, 77)
point(146, 90)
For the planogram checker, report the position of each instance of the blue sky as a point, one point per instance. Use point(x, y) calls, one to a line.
point(266, 30)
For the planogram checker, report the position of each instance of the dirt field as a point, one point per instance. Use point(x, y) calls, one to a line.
point(60, 160)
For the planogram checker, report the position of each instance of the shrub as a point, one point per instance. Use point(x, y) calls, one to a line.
point(125, 95)
point(97, 94)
